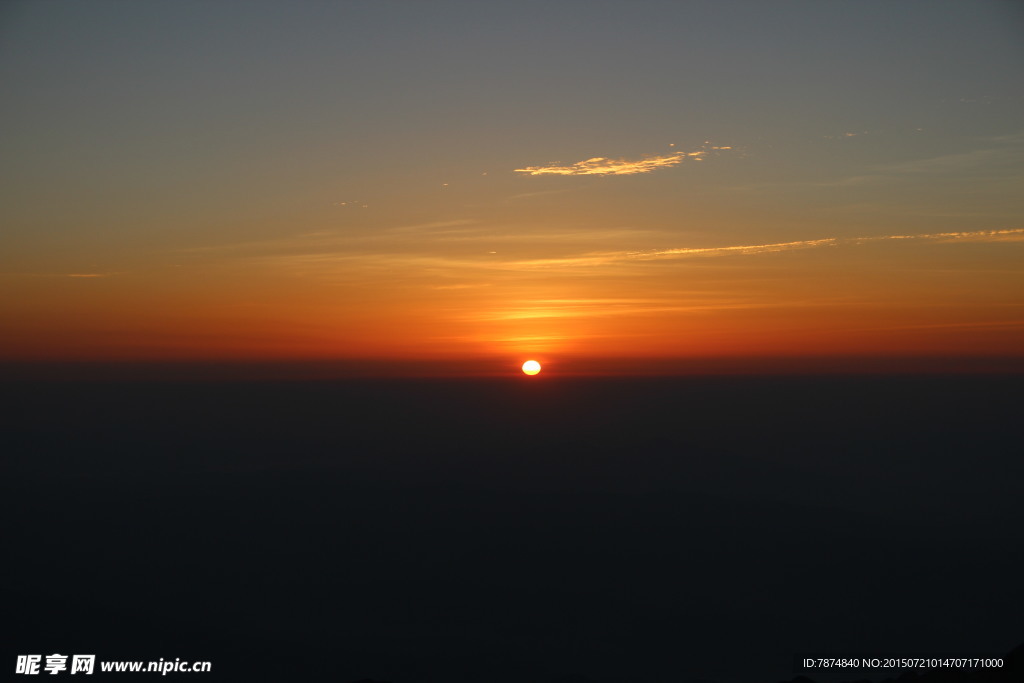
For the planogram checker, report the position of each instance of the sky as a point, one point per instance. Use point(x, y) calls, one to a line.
point(603, 185)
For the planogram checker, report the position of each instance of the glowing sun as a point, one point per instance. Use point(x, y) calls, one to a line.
point(531, 367)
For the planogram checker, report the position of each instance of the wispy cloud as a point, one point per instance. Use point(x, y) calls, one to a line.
point(47, 275)
point(419, 239)
point(539, 193)
point(434, 226)
point(327, 240)
point(452, 257)
point(736, 249)
point(603, 307)
point(985, 324)
point(999, 158)
point(845, 136)
point(465, 285)
point(1014, 234)
point(947, 162)
point(607, 166)
point(606, 258)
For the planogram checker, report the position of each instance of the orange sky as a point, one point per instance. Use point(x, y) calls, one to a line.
point(881, 297)
point(376, 216)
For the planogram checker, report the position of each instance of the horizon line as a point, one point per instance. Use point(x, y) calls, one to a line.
point(311, 369)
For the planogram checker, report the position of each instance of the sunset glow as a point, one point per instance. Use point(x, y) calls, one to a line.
point(394, 219)
point(520, 341)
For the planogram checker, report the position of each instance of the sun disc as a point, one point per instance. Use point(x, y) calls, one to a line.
point(531, 367)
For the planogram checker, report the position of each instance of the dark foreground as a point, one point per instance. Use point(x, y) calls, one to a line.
point(513, 531)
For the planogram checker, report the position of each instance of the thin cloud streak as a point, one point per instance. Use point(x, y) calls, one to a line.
point(46, 275)
point(605, 258)
point(975, 236)
point(334, 238)
point(600, 308)
point(418, 236)
point(994, 325)
point(427, 261)
point(998, 161)
point(606, 166)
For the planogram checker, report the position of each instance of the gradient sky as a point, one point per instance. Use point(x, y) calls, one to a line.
point(502, 180)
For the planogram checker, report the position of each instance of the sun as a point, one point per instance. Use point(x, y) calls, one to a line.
point(531, 367)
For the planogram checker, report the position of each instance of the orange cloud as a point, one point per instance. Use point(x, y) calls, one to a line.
point(606, 166)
